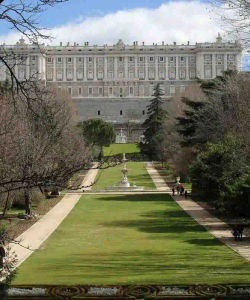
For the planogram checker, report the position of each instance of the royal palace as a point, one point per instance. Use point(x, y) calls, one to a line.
point(116, 82)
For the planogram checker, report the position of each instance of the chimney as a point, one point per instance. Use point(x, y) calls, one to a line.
point(60, 44)
point(188, 42)
point(136, 43)
point(68, 44)
point(142, 43)
point(162, 43)
point(174, 43)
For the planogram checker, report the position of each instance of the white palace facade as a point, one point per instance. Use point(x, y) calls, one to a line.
point(116, 82)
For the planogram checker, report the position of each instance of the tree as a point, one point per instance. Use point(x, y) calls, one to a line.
point(97, 132)
point(21, 16)
point(153, 124)
point(218, 172)
point(40, 149)
point(225, 110)
point(235, 17)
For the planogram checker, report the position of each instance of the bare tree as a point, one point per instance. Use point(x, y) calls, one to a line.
point(235, 17)
point(21, 16)
point(41, 149)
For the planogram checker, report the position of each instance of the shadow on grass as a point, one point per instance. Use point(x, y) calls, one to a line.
point(205, 242)
point(162, 198)
point(158, 226)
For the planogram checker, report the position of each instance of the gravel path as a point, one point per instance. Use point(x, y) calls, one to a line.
point(157, 178)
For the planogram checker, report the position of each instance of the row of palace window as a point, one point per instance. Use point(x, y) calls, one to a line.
point(100, 91)
point(121, 91)
point(120, 59)
point(121, 113)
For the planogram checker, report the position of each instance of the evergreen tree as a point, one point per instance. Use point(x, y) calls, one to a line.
point(204, 121)
point(153, 124)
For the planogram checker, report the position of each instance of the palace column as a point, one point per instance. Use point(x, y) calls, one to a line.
point(213, 66)
point(187, 68)
point(166, 67)
point(105, 67)
point(177, 68)
point(95, 61)
point(156, 68)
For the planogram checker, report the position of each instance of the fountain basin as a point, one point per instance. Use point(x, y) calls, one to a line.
point(124, 188)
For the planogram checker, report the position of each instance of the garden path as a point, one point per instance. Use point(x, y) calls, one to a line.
point(157, 178)
point(215, 226)
point(42, 229)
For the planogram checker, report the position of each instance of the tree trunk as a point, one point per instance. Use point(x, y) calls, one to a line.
point(27, 197)
point(6, 204)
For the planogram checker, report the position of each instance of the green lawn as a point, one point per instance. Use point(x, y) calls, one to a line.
point(137, 173)
point(114, 149)
point(138, 239)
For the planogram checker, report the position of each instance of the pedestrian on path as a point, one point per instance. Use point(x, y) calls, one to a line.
point(181, 189)
point(173, 190)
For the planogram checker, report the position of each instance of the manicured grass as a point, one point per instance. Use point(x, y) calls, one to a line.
point(115, 149)
point(137, 173)
point(137, 239)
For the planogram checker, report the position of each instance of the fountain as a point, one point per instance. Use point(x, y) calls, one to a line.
point(121, 138)
point(124, 184)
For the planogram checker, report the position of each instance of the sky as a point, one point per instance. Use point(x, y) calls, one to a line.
point(105, 21)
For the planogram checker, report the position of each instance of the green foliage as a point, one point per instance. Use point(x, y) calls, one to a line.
point(153, 123)
point(202, 121)
point(187, 124)
point(218, 173)
point(97, 132)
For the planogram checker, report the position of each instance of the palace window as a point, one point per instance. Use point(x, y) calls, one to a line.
point(111, 91)
point(151, 58)
point(161, 58)
point(79, 59)
point(141, 59)
point(131, 91)
point(131, 59)
point(143, 112)
point(80, 91)
point(33, 57)
point(100, 91)
point(120, 112)
point(69, 90)
point(110, 74)
point(69, 59)
point(90, 59)
point(120, 59)
point(99, 112)
point(59, 59)
point(90, 91)
point(49, 59)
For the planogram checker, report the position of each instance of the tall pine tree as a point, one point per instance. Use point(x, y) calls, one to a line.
point(153, 124)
